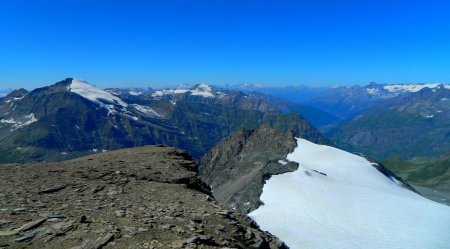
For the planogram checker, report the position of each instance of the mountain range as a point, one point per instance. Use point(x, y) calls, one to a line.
point(73, 118)
point(411, 125)
point(258, 154)
point(332, 104)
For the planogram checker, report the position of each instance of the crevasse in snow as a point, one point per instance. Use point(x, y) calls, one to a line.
point(339, 200)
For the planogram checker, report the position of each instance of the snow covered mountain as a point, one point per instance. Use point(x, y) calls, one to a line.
point(339, 200)
point(73, 118)
point(402, 88)
point(343, 101)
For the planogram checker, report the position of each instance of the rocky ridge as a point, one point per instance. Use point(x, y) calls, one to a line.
point(237, 168)
point(146, 197)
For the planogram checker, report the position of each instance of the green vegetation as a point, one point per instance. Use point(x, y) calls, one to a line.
point(429, 173)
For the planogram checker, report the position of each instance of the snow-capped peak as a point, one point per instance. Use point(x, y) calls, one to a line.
point(94, 94)
point(203, 90)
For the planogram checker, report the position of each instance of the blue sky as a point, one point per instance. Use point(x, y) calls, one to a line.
point(157, 43)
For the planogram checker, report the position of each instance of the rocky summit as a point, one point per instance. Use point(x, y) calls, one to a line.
point(146, 197)
point(236, 168)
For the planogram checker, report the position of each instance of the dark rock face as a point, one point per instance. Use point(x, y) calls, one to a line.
point(237, 167)
point(147, 197)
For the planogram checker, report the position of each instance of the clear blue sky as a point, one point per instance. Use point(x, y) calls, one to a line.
point(156, 43)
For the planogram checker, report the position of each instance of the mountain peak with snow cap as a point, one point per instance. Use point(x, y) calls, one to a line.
point(203, 90)
point(94, 94)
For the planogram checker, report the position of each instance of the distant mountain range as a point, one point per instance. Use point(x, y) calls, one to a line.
point(299, 94)
point(72, 118)
point(341, 102)
point(411, 125)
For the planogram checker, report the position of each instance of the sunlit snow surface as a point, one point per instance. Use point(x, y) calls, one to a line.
point(413, 87)
point(200, 90)
point(94, 94)
point(353, 206)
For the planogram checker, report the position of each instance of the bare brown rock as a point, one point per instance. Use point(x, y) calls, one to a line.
point(147, 197)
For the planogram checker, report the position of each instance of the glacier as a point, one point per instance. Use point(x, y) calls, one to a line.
point(94, 94)
point(340, 200)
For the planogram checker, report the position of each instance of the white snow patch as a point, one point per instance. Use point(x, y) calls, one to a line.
point(221, 94)
point(161, 93)
point(134, 93)
point(8, 121)
point(412, 87)
point(372, 91)
point(201, 90)
point(283, 162)
point(353, 206)
point(94, 94)
point(29, 119)
point(146, 110)
point(14, 99)
point(17, 124)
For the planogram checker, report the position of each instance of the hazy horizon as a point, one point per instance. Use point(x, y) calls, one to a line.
point(8, 88)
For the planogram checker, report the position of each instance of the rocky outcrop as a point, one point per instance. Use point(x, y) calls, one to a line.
point(237, 167)
point(147, 197)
